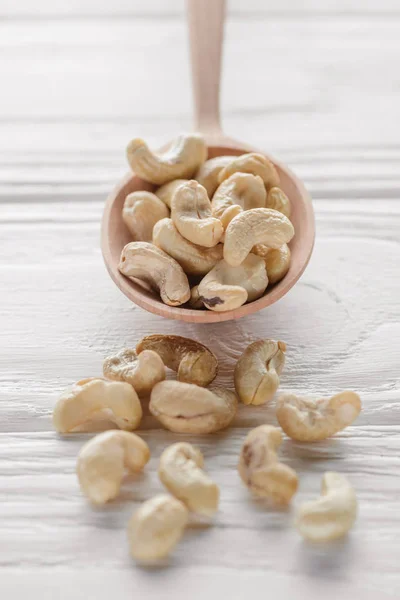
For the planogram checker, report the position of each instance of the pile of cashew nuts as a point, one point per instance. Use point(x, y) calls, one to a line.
point(187, 405)
point(215, 241)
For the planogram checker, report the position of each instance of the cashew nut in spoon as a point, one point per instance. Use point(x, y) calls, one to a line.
point(181, 160)
point(312, 419)
point(194, 260)
point(195, 301)
point(257, 371)
point(242, 189)
point(181, 471)
point(277, 261)
point(147, 263)
point(192, 216)
point(193, 362)
point(207, 174)
point(278, 200)
point(260, 469)
point(166, 191)
point(188, 408)
point(141, 212)
point(226, 288)
point(254, 163)
point(332, 514)
point(255, 226)
point(142, 371)
point(89, 398)
point(103, 461)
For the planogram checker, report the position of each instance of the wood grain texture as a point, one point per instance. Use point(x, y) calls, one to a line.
point(66, 112)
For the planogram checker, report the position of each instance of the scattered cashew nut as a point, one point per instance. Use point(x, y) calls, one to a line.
point(260, 469)
point(103, 460)
point(166, 191)
point(194, 260)
point(181, 471)
point(192, 216)
point(257, 371)
point(332, 514)
point(156, 527)
point(311, 420)
point(226, 288)
point(142, 371)
point(94, 397)
point(147, 263)
point(278, 200)
point(193, 362)
point(240, 189)
point(255, 226)
point(207, 174)
point(141, 212)
point(256, 164)
point(181, 160)
point(277, 261)
point(188, 408)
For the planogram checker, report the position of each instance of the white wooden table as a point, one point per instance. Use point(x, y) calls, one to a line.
point(317, 84)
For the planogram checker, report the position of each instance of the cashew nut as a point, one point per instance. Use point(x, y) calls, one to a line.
point(332, 514)
point(260, 469)
point(93, 397)
point(147, 263)
point(226, 288)
point(311, 420)
point(277, 261)
point(192, 216)
point(166, 191)
point(255, 226)
point(103, 460)
point(181, 160)
point(242, 189)
point(195, 301)
point(188, 408)
point(194, 260)
point(142, 371)
point(156, 527)
point(207, 174)
point(181, 471)
point(141, 212)
point(256, 164)
point(278, 200)
point(257, 371)
point(193, 362)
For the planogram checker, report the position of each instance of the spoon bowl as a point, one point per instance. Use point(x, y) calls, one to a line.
point(115, 235)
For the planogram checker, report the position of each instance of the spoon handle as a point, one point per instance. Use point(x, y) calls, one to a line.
point(206, 24)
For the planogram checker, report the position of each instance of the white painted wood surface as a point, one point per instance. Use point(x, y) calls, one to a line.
point(317, 84)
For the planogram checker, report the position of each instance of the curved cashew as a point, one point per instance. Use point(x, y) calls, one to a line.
point(181, 160)
point(257, 371)
point(260, 469)
point(242, 189)
point(311, 420)
point(193, 362)
point(278, 200)
point(181, 471)
point(229, 214)
point(256, 164)
point(141, 212)
point(89, 397)
point(146, 262)
point(194, 260)
point(142, 371)
point(277, 261)
point(156, 527)
point(195, 301)
point(226, 288)
point(191, 214)
point(103, 460)
point(188, 408)
point(166, 191)
point(332, 514)
point(255, 226)
point(207, 174)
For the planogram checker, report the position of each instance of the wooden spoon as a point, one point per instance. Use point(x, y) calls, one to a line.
point(206, 32)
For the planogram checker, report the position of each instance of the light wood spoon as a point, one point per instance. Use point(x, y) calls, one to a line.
point(206, 33)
